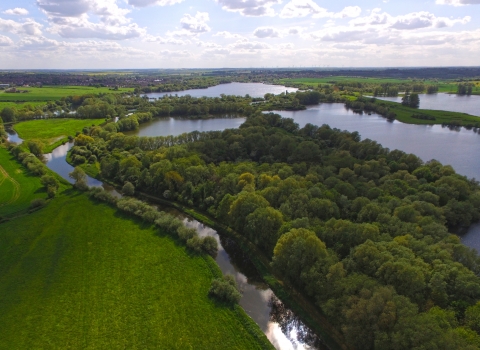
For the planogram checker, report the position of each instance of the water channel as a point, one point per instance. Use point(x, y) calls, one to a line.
point(458, 148)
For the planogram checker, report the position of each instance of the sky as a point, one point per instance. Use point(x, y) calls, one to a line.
point(127, 34)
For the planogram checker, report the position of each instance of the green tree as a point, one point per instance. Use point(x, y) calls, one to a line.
point(80, 177)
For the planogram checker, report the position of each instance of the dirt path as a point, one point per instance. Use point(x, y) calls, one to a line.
point(16, 186)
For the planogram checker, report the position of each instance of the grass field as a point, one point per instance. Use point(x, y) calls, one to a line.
point(52, 93)
point(17, 187)
point(443, 86)
point(20, 105)
point(52, 132)
point(79, 275)
point(404, 114)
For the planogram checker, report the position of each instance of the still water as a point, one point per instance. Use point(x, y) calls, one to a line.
point(237, 89)
point(177, 126)
point(446, 102)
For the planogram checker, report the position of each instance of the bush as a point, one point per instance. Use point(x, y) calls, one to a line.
point(185, 233)
point(225, 289)
point(210, 246)
point(37, 203)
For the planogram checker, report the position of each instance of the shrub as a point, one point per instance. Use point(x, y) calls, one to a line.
point(37, 203)
point(210, 246)
point(185, 233)
point(225, 289)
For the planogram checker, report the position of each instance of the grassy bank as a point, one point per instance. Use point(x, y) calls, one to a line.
point(78, 274)
point(52, 132)
point(404, 114)
point(17, 186)
point(53, 93)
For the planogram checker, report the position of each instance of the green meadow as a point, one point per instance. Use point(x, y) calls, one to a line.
point(17, 186)
point(80, 275)
point(52, 93)
point(404, 114)
point(52, 132)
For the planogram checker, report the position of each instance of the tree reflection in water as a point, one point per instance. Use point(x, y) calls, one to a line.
point(294, 329)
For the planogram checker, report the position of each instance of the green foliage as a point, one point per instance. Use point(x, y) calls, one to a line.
point(350, 223)
point(225, 290)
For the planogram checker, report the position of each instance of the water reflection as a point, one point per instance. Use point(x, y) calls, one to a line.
point(472, 237)
point(237, 89)
point(12, 136)
point(284, 330)
point(57, 162)
point(177, 126)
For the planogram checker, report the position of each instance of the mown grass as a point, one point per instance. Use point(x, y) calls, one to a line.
point(52, 132)
point(17, 187)
point(404, 114)
point(52, 93)
point(79, 275)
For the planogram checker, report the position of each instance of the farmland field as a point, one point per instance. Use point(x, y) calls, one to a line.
point(52, 132)
point(17, 187)
point(52, 93)
point(79, 275)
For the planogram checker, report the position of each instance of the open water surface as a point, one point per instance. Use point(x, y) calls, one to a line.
point(237, 89)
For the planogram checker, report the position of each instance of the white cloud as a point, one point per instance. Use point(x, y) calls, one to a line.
point(303, 8)
point(17, 11)
point(196, 24)
point(71, 19)
point(458, 2)
point(249, 45)
point(272, 32)
point(29, 27)
point(266, 32)
point(164, 40)
point(192, 26)
point(228, 35)
point(144, 3)
point(5, 41)
point(251, 8)
point(414, 20)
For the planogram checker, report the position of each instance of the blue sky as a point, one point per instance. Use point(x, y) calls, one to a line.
point(99, 34)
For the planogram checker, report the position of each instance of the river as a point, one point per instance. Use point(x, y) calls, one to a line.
point(237, 89)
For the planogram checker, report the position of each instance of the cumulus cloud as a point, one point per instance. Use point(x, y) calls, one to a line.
point(251, 8)
point(458, 2)
point(192, 26)
point(17, 11)
point(272, 32)
point(29, 27)
point(5, 41)
point(71, 19)
point(196, 24)
point(266, 32)
point(145, 3)
point(411, 21)
point(303, 8)
point(228, 35)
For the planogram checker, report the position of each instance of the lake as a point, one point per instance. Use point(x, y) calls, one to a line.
point(446, 102)
point(237, 89)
